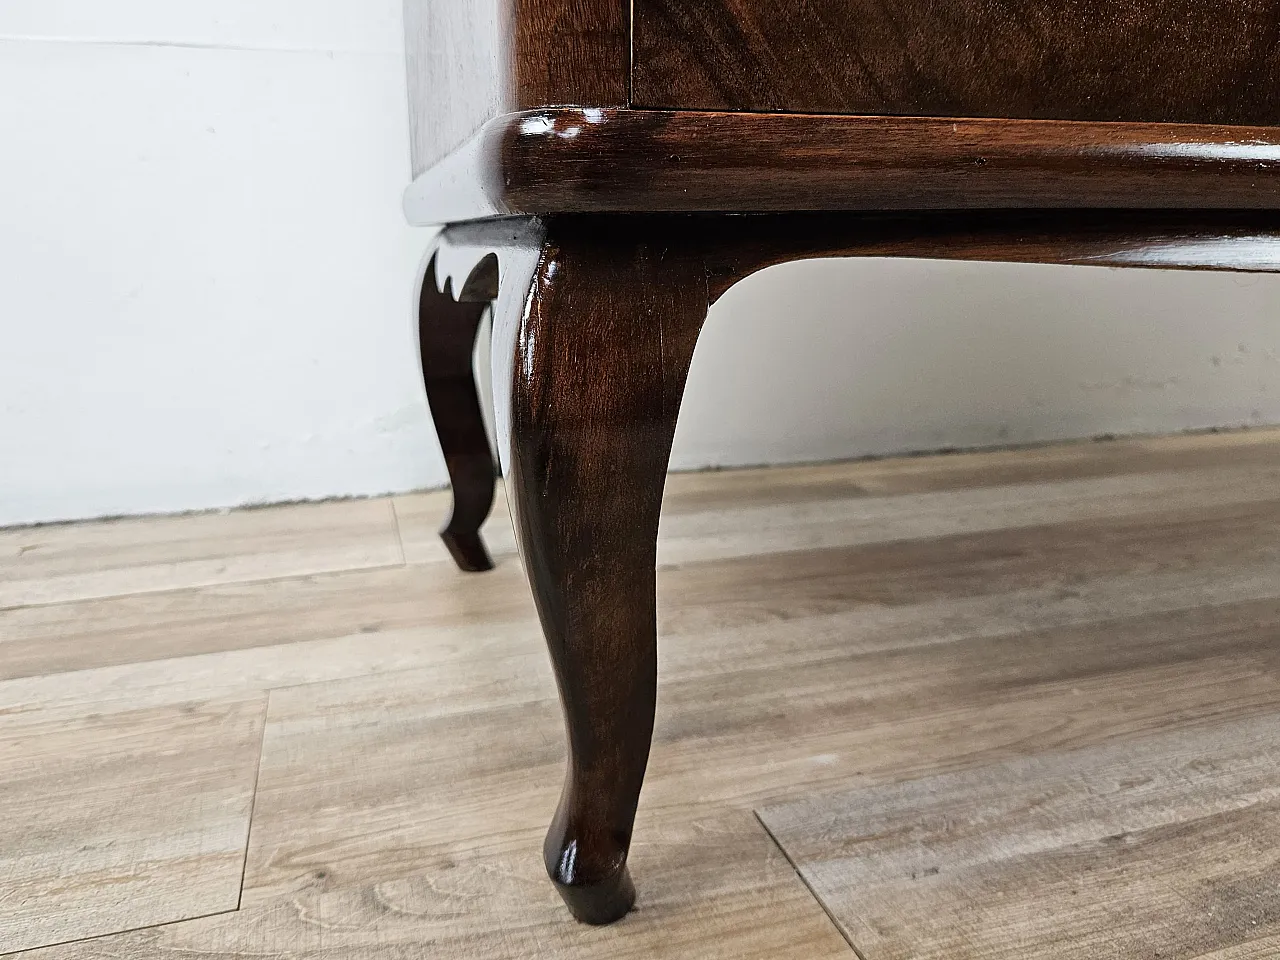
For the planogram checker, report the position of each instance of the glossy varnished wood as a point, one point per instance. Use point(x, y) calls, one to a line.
point(1142, 60)
point(735, 247)
point(621, 161)
point(470, 60)
point(982, 607)
point(602, 279)
point(600, 359)
point(447, 332)
point(591, 349)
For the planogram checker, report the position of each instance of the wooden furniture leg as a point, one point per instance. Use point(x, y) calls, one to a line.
point(595, 323)
point(599, 358)
point(446, 341)
point(623, 164)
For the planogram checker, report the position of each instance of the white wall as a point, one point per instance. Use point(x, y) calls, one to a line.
point(206, 290)
point(828, 359)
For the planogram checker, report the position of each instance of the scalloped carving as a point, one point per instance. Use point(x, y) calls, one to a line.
point(479, 285)
point(465, 273)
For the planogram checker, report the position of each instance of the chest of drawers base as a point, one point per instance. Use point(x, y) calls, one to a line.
point(600, 233)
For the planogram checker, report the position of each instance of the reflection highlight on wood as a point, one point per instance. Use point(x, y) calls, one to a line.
point(547, 162)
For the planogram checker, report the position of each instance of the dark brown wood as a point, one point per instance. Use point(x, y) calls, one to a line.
point(1142, 60)
point(471, 60)
point(646, 216)
point(627, 161)
point(570, 51)
point(446, 343)
point(599, 364)
point(596, 323)
point(593, 354)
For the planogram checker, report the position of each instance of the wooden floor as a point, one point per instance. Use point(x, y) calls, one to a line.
point(1008, 705)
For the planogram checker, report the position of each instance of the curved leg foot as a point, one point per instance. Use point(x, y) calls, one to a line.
point(447, 335)
point(600, 354)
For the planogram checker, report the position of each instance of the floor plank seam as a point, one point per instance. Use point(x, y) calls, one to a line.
point(26, 951)
point(803, 879)
point(192, 588)
point(253, 798)
point(395, 522)
point(1006, 741)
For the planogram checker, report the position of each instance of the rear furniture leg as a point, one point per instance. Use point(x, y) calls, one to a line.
point(446, 337)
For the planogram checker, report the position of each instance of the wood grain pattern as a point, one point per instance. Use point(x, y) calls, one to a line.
point(218, 641)
point(1145, 60)
point(1263, 948)
point(61, 562)
point(409, 768)
point(470, 60)
point(447, 331)
point(574, 439)
point(367, 852)
point(435, 783)
point(629, 161)
point(383, 808)
point(729, 895)
point(1047, 856)
point(686, 494)
point(457, 59)
point(122, 819)
point(195, 625)
point(960, 470)
point(226, 641)
point(783, 527)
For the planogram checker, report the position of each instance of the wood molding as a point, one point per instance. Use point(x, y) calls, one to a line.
point(576, 160)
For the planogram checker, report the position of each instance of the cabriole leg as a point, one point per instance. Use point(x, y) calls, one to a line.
point(598, 361)
point(447, 336)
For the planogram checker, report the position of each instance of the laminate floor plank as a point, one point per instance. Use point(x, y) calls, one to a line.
point(958, 471)
point(1152, 847)
point(721, 891)
point(1262, 948)
point(382, 801)
point(824, 632)
point(116, 631)
point(755, 531)
point(732, 496)
point(431, 763)
point(742, 613)
point(61, 562)
point(121, 820)
point(1213, 552)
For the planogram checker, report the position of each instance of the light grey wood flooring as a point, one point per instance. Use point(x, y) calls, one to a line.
point(1003, 705)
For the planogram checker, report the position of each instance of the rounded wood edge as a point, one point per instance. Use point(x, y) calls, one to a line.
point(610, 160)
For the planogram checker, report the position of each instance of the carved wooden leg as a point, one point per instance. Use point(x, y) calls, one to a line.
point(599, 356)
point(446, 337)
